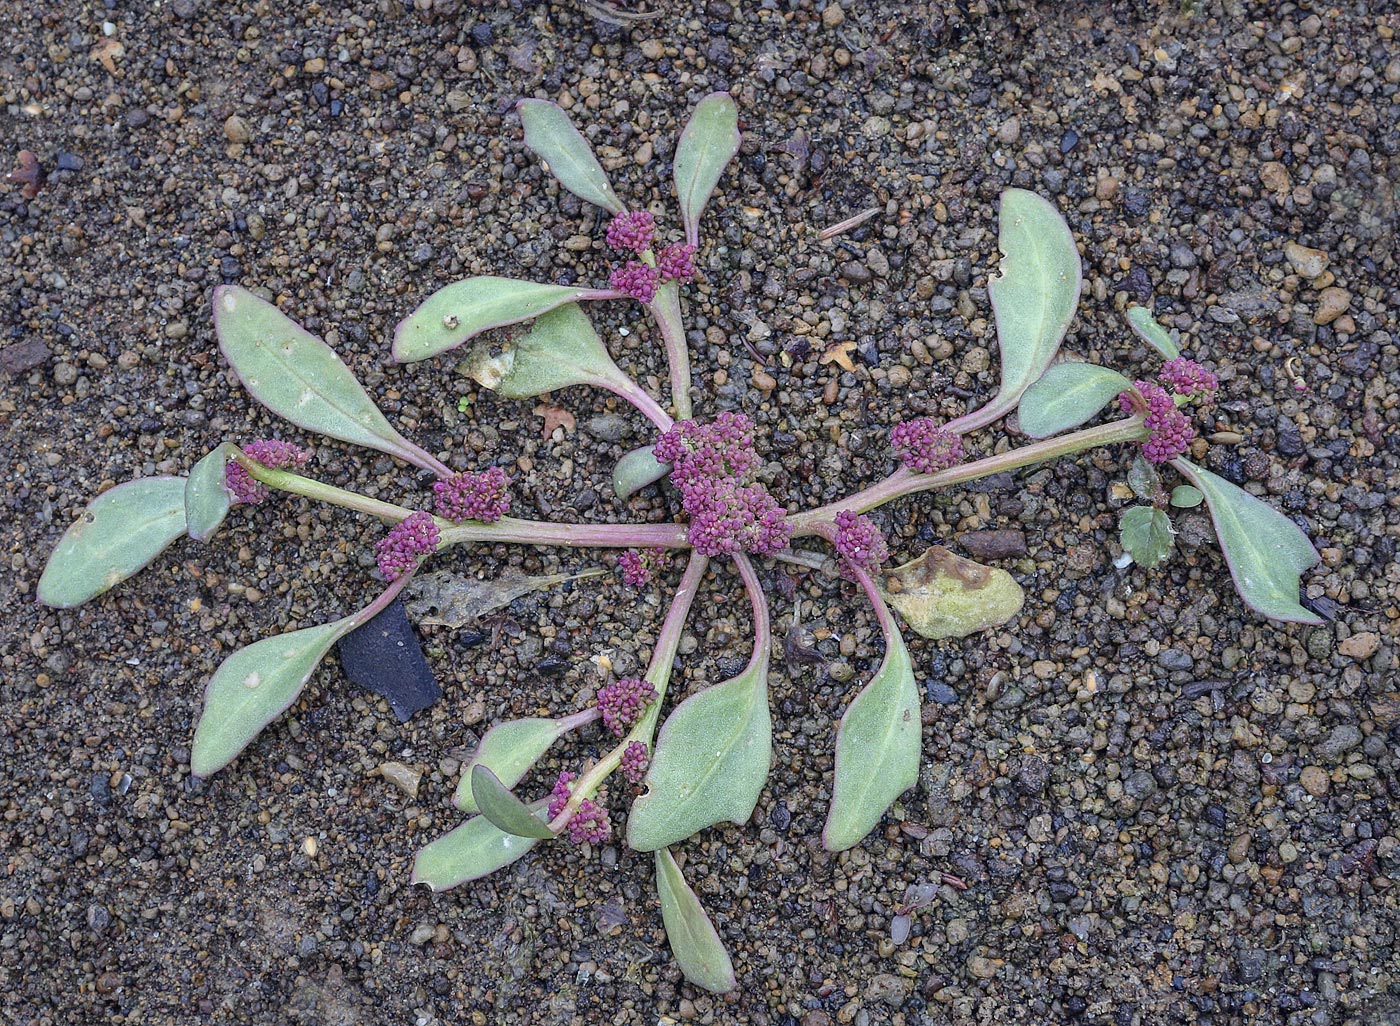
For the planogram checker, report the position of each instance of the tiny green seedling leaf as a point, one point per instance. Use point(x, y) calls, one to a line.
point(120, 532)
point(1145, 327)
point(297, 376)
point(509, 750)
point(475, 849)
point(458, 312)
point(1067, 395)
point(707, 145)
point(1143, 478)
point(1145, 533)
point(559, 350)
point(552, 136)
point(710, 762)
point(877, 750)
point(1267, 553)
point(694, 940)
point(206, 499)
point(635, 471)
point(503, 809)
point(1034, 298)
point(253, 687)
point(1186, 497)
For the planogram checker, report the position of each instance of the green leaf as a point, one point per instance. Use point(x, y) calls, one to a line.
point(877, 749)
point(206, 498)
point(1034, 298)
point(635, 471)
point(561, 349)
point(1186, 497)
point(1145, 533)
point(1145, 327)
point(253, 687)
point(555, 140)
point(694, 940)
point(297, 376)
point(121, 531)
point(509, 750)
point(1143, 478)
point(475, 849)
point(1067, 395)
point(707, 145)
point(502, 808)
point(457, 312)
point(710, 763)
point(1266, 551)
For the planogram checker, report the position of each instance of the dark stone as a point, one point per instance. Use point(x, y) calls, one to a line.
point(69, 162)
point(1003, 544)
point(941, 694)
point(384, 656)
point(1069, 141)
point(24, 356)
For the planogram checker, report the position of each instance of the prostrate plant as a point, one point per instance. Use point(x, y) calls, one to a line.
point(708, 761)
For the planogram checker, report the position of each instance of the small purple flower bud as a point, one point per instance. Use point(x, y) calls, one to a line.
point(859, 541)
point(1169, 430)
point(636, 279)
point(406, 543)
point(1189, 378)
point(631, 230)
point(634, 761)
point(677, 262)
point(559, 797)
point(590, 823)
point(639, 567)
point(925, 447)
point(278, 455)
point(622, 702)
point(478, 496)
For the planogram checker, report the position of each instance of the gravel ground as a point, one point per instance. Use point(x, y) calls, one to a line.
point(1166, 809)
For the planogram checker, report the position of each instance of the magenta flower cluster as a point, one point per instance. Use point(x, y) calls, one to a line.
point(640, 566)
point(711, 464)
point(634, 761)
point(242, 486)
point(635, 279)
point(473, 495)
point(622, 702)
point(589, 823)
point(631, 230)
point(859, 542)
point(411, 539)
point(1189, 378)
point(924, 446)
point(1169, 430)
point(677, 262)
point(559, 797)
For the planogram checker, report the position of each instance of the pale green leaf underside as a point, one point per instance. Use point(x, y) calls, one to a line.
point(707, 145)
point(1186, 497)
point(877, 750)
point(1145, 534)
point(475, 849)
point(296, 375)
point(694, 940)
point(1145, 327)
point(1067, 395)
point(1267, 553)
point(206, 498)
point(1143, 478)
point(502, 808)
point(509, 750)
point(635, 471)
point(560, 349)
point(710, 763)
point(120, 532)
point(1034, 297)
point(253, 687)
point(551, 135)
point(458, 312)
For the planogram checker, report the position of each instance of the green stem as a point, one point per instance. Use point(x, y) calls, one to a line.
point(905, 482)
point(378, 606)
point(635, 394)
point(666, 308)
point(882, 612)
point(761, 625)
point(511, 531)
point(286, 481)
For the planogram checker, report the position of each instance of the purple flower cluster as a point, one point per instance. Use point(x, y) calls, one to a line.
point(859, 541)
point(407, 542)
point(1189, 378)
point(589, 823)
point(639, 567)
point(631, 230)
point(472, 495)
point(1169, 430)
point(636, 279)
point(559, 797)
point(622, 702)
point(724, 447)
point(924, 446)
point(242, 486)
point(634, 761)
point(677, 262)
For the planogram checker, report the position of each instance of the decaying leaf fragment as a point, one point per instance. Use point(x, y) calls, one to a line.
point(449, 599)
point(941, 595)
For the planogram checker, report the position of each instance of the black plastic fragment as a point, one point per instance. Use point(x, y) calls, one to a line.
point(384, 656)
